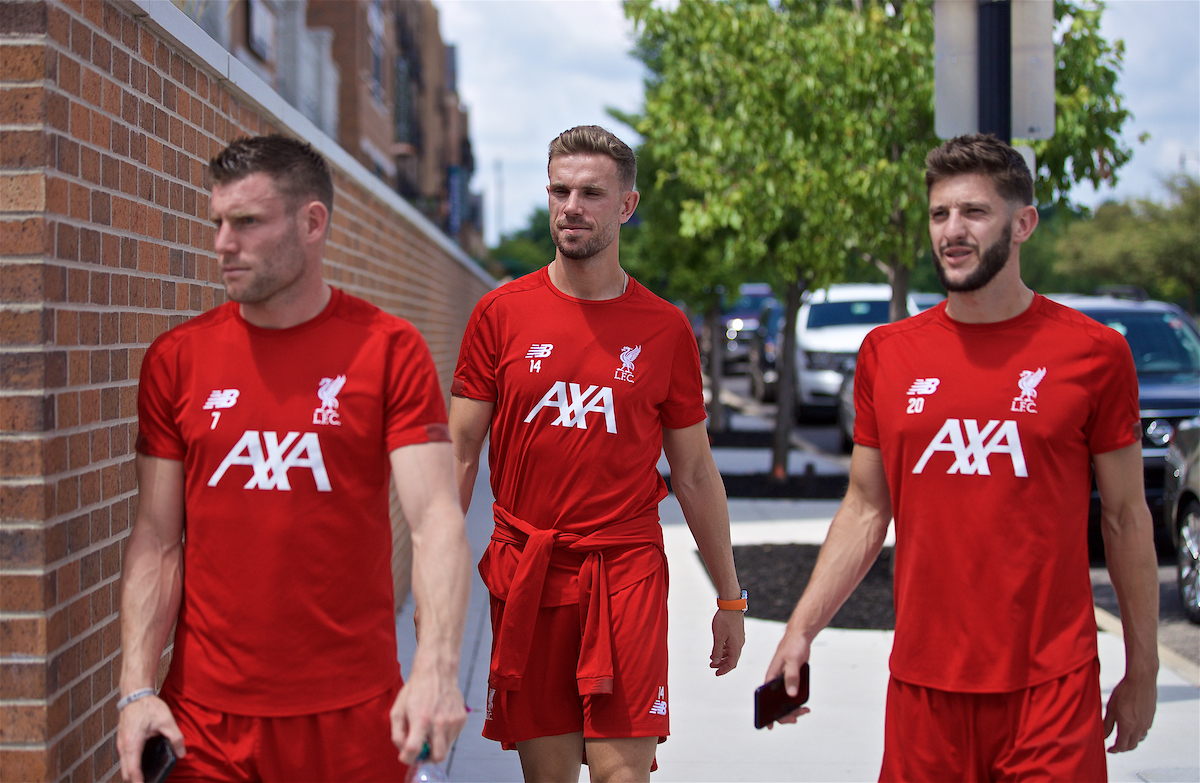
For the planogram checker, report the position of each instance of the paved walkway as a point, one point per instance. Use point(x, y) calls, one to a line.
point(713, 737)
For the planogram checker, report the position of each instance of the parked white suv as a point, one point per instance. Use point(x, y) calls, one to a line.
point(830, 327)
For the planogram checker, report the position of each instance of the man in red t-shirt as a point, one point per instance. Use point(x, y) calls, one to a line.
point(584, 378)
point(979, 426)
point(268, 429)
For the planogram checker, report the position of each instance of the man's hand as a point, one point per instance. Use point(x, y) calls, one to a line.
point(140, 721)
point(729, 635)
point(429, 709)
point(790, 655)
point(1131, 710)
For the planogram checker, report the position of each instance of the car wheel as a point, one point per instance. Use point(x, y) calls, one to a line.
point(1188, 560)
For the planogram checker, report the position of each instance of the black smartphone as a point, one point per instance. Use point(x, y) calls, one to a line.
point(158, 759)
point(771, 700)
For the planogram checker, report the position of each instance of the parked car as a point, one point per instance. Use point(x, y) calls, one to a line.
point(1182, 498)
point(925, 301)
point(765, 345)
point(1166, 353)
point(741, 321)
point(830, 327)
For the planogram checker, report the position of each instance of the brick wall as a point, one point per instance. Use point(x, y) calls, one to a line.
point(106, 123)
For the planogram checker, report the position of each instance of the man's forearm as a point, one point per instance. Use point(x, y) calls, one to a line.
point(706, 509)
point(151, 589)
point(1129, 551)
point(441, 585)
point(854, 541)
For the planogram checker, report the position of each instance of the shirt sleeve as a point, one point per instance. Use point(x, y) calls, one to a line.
point(684, 404)
point(866, 427)
point(478, 358)
point(1115, 420)
point(158, 429)
point(414, 411)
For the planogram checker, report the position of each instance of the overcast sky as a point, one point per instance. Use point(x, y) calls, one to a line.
point(530, 69)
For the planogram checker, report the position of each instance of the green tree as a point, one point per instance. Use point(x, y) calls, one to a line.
point(801, 127)
point(526, 249)
point(1141, 243)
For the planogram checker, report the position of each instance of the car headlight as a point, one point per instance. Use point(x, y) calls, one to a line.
point(1159, 432)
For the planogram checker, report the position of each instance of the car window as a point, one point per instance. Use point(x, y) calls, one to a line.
point(846, 313)
point(1160, 342)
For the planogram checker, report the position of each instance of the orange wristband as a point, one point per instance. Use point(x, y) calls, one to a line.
point(736, 605)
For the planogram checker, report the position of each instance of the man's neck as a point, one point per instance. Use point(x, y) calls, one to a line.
point(995, 302)
point(597, 278)
point(288, 311)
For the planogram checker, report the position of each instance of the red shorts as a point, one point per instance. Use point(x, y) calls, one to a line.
point(354, 743)
point(549, 704)
point(1051, 731)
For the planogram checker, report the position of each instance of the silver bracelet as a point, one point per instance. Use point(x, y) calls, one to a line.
point(125, 701)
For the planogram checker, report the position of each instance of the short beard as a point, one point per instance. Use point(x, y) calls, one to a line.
point(583, 250)
point(991, 261)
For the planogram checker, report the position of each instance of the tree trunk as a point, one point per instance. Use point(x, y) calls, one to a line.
point(898, 274)
point(716, 367)
point(785, 385)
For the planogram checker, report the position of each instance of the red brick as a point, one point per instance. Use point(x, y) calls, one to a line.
point(22, 283)
point(26, 413)
point(25, 593)
point(23, 192)
point(24, 680)
point(69, 75)
point(58, 112)
point(22, 62)
point(25, 328)
point(80, 208)
point(81, 39)
point(22, 723)
point(23, 764)
point(21, 149)
point(23, 636)
point(22, 502)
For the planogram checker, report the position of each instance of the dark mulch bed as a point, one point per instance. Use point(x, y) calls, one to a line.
point(741, 439)
point(776, 574)
point(762, 485)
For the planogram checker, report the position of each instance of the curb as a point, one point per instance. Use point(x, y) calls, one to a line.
point(1108, 622)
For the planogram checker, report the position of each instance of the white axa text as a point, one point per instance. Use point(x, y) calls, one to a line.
point(272, 464)
point(574, 404)
point(972, 448)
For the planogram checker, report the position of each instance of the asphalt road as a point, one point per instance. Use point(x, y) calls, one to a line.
point(1175, 631)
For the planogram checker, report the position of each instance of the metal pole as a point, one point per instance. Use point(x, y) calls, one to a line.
point(995, 68)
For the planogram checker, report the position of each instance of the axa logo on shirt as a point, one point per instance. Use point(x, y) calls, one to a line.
point(574, 404)
point(973, 446)
point(270, 459)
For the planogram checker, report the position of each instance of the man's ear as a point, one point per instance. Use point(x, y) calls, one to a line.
point(1024, 221)
point(629, 202)
point(313, 221)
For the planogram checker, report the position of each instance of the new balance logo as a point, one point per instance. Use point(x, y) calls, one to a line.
point(574, 403)
point(221, 398)
point(924, 386)
point(271, 460)
point(539, 351)
point(660, 704)
point(971, 446)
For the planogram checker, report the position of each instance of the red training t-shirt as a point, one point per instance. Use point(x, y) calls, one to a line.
point(987, 432)
point(284, 435)
point(583, 390)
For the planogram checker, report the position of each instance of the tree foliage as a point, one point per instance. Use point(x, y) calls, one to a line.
point(1142, 243)
point(789, 136)
point(526, 249)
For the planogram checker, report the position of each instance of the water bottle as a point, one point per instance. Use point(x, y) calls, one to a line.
point(425, 771)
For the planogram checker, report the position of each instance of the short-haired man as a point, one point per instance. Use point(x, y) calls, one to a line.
point(979, 425)
point(268, 428)
point(584, 378)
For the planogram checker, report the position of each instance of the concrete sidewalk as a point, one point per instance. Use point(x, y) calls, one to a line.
point(712, 732)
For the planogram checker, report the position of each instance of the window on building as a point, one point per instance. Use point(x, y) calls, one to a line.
point(376, 34)
point(262, 24)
